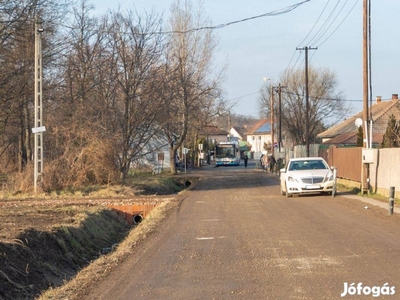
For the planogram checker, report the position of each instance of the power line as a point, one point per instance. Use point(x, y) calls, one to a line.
point(312, 28)
point(337, 27)
point(324, 98)
point(240, 97)
point(269, 14)
point(322, 31)
point(325, 24)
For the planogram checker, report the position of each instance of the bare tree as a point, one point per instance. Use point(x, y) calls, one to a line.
point(77, 143)
point(188, 68)
point(326, 104)
point(138, 54)
point(104, 99)
point(17, 73)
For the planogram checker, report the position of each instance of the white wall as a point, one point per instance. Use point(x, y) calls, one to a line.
point(257, 142)
point(386, 172)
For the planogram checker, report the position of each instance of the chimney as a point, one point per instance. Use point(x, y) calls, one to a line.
point(378, 99)
point(395, 97)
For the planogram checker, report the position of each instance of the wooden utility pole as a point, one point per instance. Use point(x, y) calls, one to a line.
point(307, 133)
point(272, 119)
point(365, 167)
point(365, 72)
point(279, 91)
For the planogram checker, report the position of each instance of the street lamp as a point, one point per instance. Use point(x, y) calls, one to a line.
point(272, 112)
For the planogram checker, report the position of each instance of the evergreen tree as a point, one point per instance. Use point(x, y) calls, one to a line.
point(391, 136)
point(360, 137)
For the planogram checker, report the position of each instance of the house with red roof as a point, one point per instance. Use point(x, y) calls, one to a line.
point(345, 133)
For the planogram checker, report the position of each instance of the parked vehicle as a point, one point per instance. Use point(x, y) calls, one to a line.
point(307, 175)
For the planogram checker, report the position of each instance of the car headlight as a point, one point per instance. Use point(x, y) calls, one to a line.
point(291, 179)
point(328, 177)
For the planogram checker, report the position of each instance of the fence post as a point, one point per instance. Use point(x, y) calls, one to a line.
point(391, 200)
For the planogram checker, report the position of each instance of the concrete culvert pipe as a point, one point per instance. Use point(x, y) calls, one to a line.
point(137, 219)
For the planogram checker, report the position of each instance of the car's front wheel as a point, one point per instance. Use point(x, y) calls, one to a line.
point(288, 195)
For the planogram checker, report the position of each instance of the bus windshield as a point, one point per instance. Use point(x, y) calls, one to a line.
point(225, 151)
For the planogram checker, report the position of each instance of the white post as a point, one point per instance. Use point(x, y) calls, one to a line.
point(38, 127)
point(370, 134)
point(366, 134)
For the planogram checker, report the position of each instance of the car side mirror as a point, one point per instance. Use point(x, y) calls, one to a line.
point(283, 170)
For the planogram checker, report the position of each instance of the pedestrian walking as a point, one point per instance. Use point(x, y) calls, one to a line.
point(266, 162)
point(272, 163)
point(245, 160)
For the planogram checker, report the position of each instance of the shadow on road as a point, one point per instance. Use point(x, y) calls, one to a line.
point(231, 177)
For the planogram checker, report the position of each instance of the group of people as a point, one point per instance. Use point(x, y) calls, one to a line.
point(268, 162)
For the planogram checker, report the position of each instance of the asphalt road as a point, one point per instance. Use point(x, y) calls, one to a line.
point(235, 237)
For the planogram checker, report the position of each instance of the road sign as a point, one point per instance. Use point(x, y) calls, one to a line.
point(39, 129)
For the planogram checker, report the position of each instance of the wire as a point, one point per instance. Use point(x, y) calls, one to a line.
point(324, 28)
point(355, 3)
point(240, 97)
point(315, 23)
point(269, 14)
point(297, 61)
point(325, 24)
point(322, 98)
point(338, 25)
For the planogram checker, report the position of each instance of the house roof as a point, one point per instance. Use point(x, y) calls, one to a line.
point(380, 111)
point(350, 138)
point(263, 126)
point(213, 130)
point(240, 130)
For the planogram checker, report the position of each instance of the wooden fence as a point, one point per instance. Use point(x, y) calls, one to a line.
point(384, 170)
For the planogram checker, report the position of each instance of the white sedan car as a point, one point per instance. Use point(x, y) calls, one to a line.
point(307, 175)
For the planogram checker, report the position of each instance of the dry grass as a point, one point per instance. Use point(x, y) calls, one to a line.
point(75, 288)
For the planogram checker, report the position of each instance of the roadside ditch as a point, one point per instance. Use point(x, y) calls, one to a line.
point(44, 244)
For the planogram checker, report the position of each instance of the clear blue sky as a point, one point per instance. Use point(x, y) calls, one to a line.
point(266, 46)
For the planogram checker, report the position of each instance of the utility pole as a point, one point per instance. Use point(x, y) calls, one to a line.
point(307, 100)
point(365, 167)
point(365, 72)
point(38, 127)
point(272, 120)
point(279, 91)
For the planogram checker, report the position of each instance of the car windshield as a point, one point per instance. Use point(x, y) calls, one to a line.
point(307, 165)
